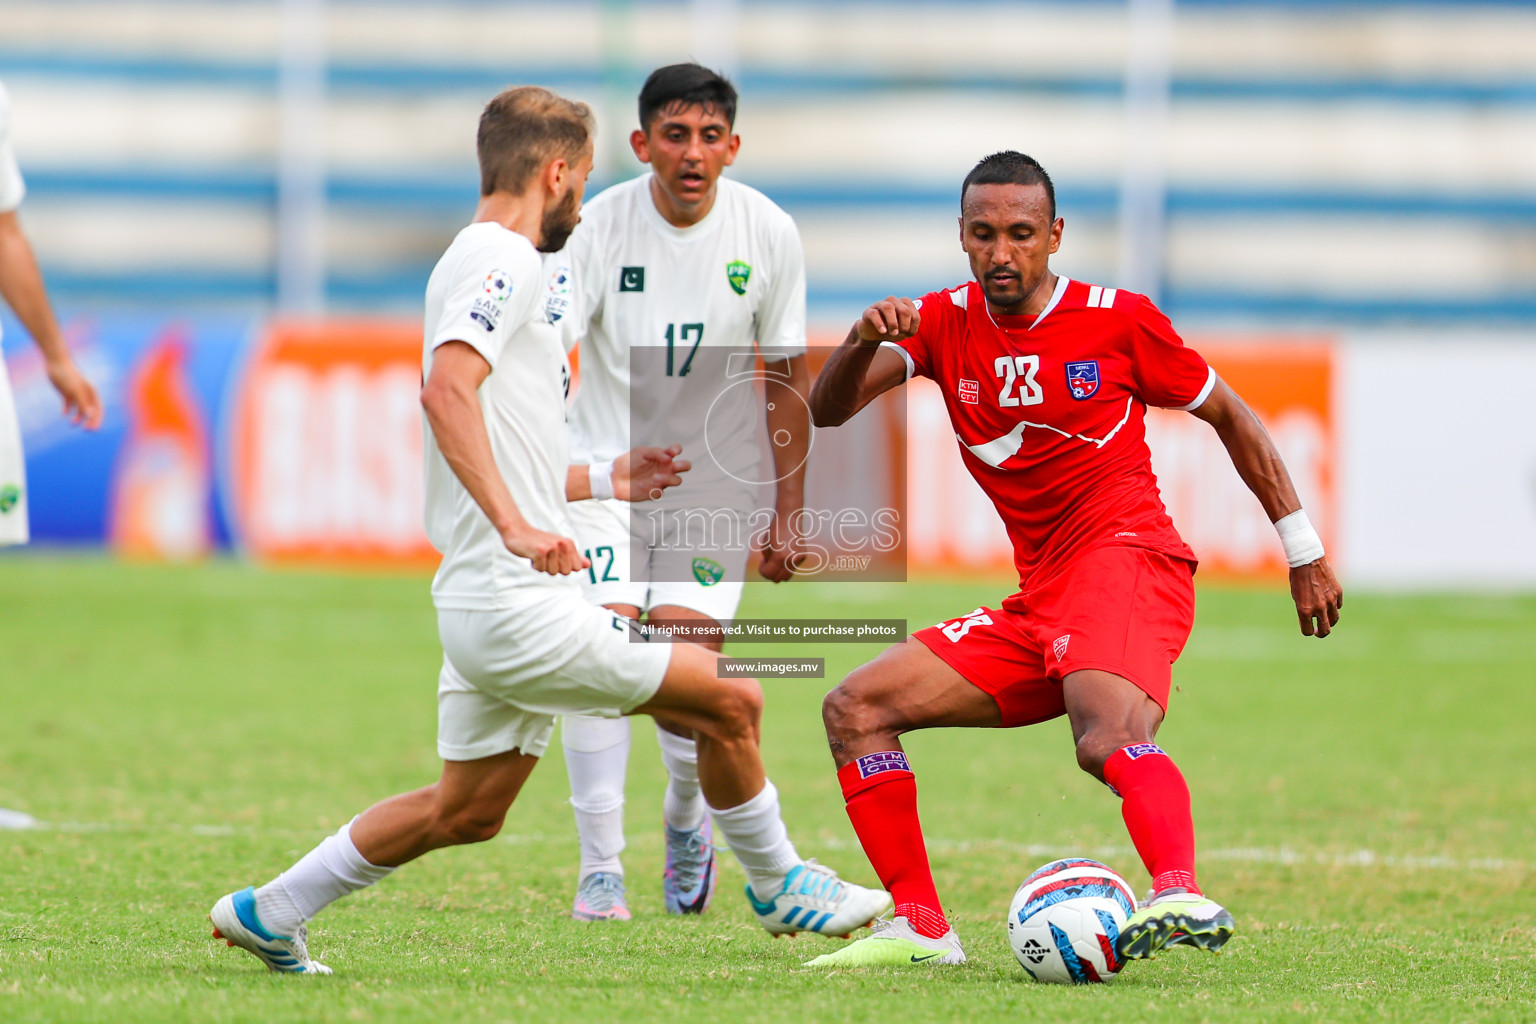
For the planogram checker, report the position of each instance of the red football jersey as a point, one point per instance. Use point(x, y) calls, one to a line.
point(1049, 412)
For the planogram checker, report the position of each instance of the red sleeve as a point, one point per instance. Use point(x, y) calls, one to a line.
point(1169, 374)
point(919, 349)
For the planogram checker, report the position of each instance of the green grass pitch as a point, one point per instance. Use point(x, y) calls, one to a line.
point(1365, 806)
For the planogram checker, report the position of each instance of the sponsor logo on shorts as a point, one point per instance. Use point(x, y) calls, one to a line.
point(1059, 645)
point(737, 273)
point(10, 497)
point(708, 571)
point(970, 392)
point(1136, 750)
point(882, 761)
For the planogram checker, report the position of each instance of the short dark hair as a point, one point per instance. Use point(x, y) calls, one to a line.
point(1010, 167)
point(689, 85)
point(524, 128)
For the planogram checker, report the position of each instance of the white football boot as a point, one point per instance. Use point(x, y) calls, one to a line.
point(235, 921)
point(814, 899)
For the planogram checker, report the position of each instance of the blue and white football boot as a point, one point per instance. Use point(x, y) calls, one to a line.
point(688, 881)
point(235, 921)
point(814, 899)
point(601, 897)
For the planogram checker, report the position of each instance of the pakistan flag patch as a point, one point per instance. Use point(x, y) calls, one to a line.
point(707, 571)
point(737, 273)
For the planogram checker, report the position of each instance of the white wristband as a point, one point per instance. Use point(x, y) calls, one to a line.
point(600, 474)
point(1302, 544)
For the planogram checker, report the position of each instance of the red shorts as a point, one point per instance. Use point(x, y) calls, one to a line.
point(1124, 610)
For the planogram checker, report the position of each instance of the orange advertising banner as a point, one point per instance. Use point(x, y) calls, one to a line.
point(1290, 385)
point(325, 451)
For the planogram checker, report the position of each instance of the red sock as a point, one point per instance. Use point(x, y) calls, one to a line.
point(1155, 805)
point(882, 804)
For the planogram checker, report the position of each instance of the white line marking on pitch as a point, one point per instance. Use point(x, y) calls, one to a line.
point(1285, 855)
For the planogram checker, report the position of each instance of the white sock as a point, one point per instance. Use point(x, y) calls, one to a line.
point(321, 877)
point(756, 834)
point(683, 806)
point(596, 761)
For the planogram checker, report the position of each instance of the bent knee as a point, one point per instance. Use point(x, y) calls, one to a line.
point(738, 710)
point(470, 826)
point(1095, 747)
point(848, 712)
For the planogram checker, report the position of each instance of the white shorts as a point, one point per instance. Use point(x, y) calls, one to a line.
point(13, 470)
point(603, 534)
point(508, 672)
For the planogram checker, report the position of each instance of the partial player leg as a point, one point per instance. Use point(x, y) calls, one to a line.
point(597, 765)
point(466, 805)
point(907, 687)
point(1114, 724)
point(597, 761)
point(689, 875)
point(787, 893)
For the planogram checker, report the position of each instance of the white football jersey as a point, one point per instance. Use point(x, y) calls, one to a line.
point(488, 291)
point(629, 280)
point(12, 189)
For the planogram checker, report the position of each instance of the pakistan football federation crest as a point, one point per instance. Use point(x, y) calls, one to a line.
point(708, 571)
point(738, 273)
point(10, 497)
point(1083, 379)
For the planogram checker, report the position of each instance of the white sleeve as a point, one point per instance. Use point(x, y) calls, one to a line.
point(575, 285)
point(495, 290)
point(781, 317)
point(12, 188)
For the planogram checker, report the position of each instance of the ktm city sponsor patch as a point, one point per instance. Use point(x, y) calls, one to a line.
point(1136, 750)
point(882, 761)
point(1083, 378)
point(970, 391)
point(1059, 645)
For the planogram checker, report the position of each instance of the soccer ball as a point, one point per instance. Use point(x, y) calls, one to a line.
point(1065, 921)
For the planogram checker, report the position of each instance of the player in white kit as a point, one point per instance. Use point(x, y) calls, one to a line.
point(520, 645)
point(669, 277)
point(22, 286)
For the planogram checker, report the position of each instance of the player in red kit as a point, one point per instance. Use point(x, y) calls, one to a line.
point(1047, 381)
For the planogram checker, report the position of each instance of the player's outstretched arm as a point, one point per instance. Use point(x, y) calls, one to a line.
point(1316, 592)
point(21, 283)
point(859, 370)
point(453, 411)
point(640, 474)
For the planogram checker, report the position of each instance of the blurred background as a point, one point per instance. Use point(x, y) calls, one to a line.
point(237, 203)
